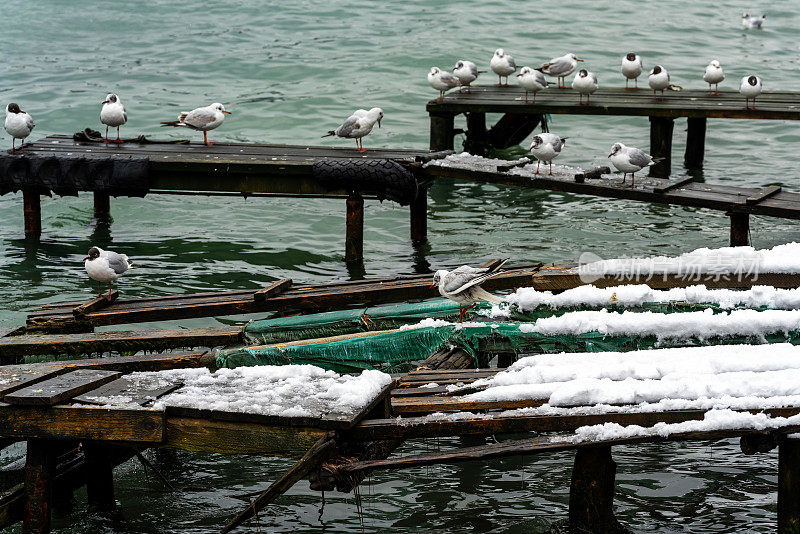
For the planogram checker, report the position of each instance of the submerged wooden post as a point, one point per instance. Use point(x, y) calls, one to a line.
point(695, 143)
point(102, 205)
point(442, 126)
point(354, 235)
point(99, 476)
point(740, 229)
point(591, 492)
point(419, 216)
point(32, 208)
point(661, 145)
point(789, 486)
point(477, 140)
point(40, 469)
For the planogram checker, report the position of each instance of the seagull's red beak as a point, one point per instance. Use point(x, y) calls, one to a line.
point(576, 59)
point(228, 112)
point(432, 286)
point(379, 123)
point(104, 102)
point(86, 258)
point(22, 112)
point(610, 154)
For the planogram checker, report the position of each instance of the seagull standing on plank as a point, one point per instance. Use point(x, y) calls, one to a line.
point(466, 72)
point(531, 80)
point(441, 81)
point(19, 125)
point(546, 147)
point(503, 65)
point(561, 67)
point(750, 88)
point(357, 125)
point(585, 83)
point(630, 160)
point(713, 75)
point(658, 80)
point(462, 285)
point(632, 69)
point(201, 119)
point(105, 266)
point(113, 114)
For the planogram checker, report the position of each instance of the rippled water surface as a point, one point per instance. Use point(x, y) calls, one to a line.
point(290, 71)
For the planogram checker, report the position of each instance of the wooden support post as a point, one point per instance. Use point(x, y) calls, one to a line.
point(33, 214)
point(740, 229)
point(40, 470)
point(419, 216)
point(661, 145)
point(102, 205)
point(99, 476)
point(789, 486)
point(442, 126)
point(477, 142)
point(354, 236)
point(695, 143)
point(591, 492)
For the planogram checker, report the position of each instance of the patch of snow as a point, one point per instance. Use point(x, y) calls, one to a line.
point(430, 385)
point(465, 160)
point(427, 323)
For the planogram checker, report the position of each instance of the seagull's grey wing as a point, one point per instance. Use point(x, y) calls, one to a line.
point(117, 262)
point(594, 78)
point(348, 126)
point(468, 269)
point(558, 66)
point(639, 158)
point(539, 77)
point(29, 121)
point(124, 114)
point(511, 63)
point(473, 69)
point(465, 281)
point(449, 79)
point(200, 117)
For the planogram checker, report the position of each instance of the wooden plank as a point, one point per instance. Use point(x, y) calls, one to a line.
point(432, 404)
point(275, 288)
point(674, 185)
point(97, 303)
point(764, 194)
point(121, 387)
point(40, 471)
point(14, 377)
point(79, 422)
point(60, 388)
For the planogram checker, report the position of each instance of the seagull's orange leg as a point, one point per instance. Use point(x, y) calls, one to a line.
point(205, 138)
point(117, 140)
point(106, 134)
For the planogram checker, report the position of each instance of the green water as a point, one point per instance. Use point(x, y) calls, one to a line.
point(290, 71)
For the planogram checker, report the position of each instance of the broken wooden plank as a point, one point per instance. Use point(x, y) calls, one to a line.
point(275, 288)
point(673, 185)
point(123, 388)
point(60, 388)
point(763, 194)
point(97, 303)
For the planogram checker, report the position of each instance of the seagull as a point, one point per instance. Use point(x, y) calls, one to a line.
point(585, 83)
point(751, 23)
point(503, 65)
point(531, 80)
point(750, 88)
point(201, 119)
point(713, 75)
point(113, 114)
point(462, 285)
point(632, 69)
point(466, 72)
point(441, 81)
point(546, 147)
point(19, 125)
point(630, 160)
point(658, 80)
point(105, 267)
point(358, 125)
point(561, 67)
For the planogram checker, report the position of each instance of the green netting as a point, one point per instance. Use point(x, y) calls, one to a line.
point(395, 350)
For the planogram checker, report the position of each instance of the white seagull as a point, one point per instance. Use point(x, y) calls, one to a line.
point(19, 125)
point(632, 69)
point(585, 83)
point(462, 285)
point(713, 75)
point(357, 125)
point(105, 267)
point(561, 67)
point(658, 80)
point(441, 81)
point(201, 119)
point(750, 88)
point(466, 72)
point(630, 160)
point(503, 65)
point(546, 147)
point(750, 23)
point(532, 80)
point(113, 114)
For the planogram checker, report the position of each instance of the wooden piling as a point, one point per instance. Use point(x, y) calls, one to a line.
point(442, 126)
point(512, 129)
point(476, 142)
point(102, 205)
point(33, 214)
point(419, 216)
point(354, 236)
point(695, 143)
point(740, 229)
point(789, 486)
point(99, 476)
point(661, 145)
point(591, 492)
point(40, 467)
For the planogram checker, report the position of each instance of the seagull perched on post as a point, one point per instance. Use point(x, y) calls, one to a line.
point(531, 80)
point(546, 147)
point(658, 80)
point(201, 119)
point(630, 160)
point(585, 83)
point(561, 67)
point(113, 114)
point(442, 81)
point(358, 125)
point(105, 267)
point(750, 88)
point(713, 75)
point(632, 69)
point(503, 65)
point(462, 285)
point(466, 72)
point(19, 125)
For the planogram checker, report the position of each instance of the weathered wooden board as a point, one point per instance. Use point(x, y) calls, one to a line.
point(430, 404)
point(97, 303)
point(61, 388)
point(122, 388)
point(275, 288)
